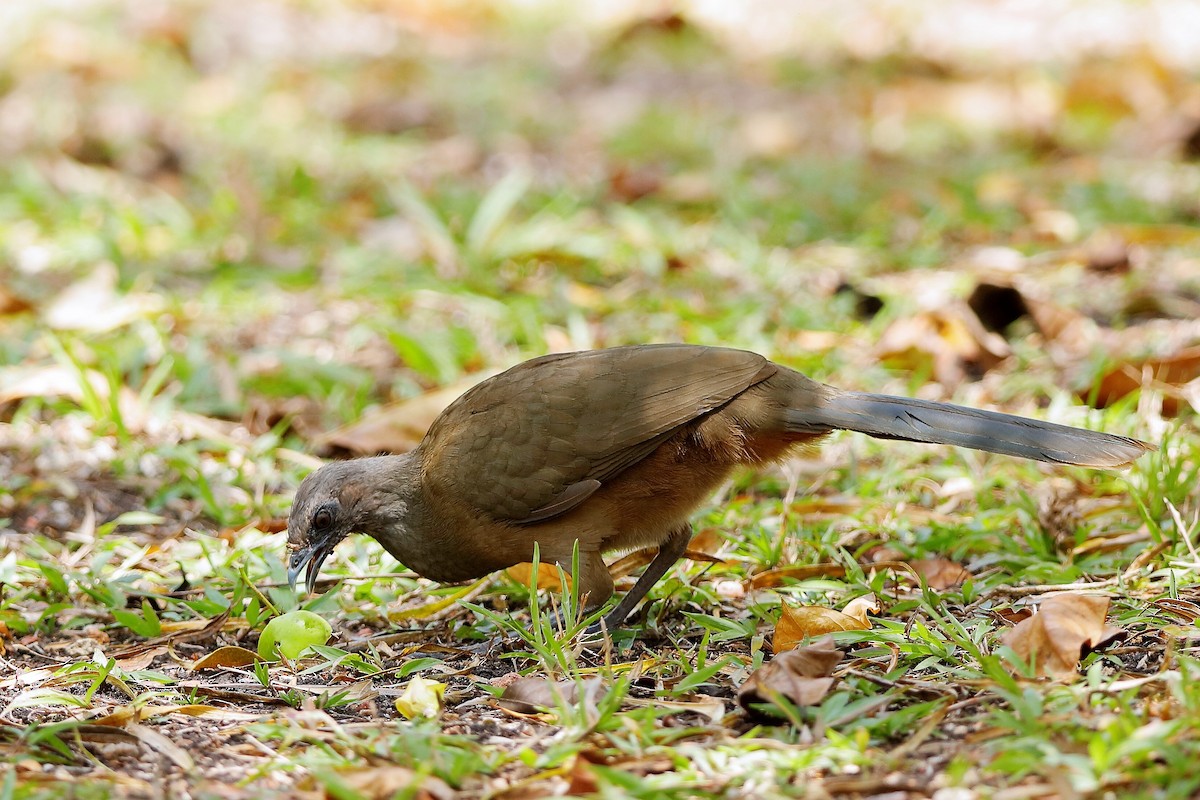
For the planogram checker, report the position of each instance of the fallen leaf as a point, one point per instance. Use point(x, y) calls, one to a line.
point(1064, 629)
point(950, 342)
point(225, 657)
point(708, 540)
point(803, 676)
point(264, 414)
point(796, 572)
point(191, 630)
point(804, 622)
point(1186, 610)
point(547, 576)
point(628, 183)
point(385, 782)
point(396, 427)
point(939, 573)
point(533, 695)
point(422, 698)
point(803, 572)
point(1054, 225)
point(11, 303)
point(130, 714)
point(1074, 335)
point(1168, 374)
point(858, 609)
point(231, 695)
point(1013, 616)
point(140, 661)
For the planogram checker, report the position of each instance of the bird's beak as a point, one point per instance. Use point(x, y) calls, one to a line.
point(312, 556)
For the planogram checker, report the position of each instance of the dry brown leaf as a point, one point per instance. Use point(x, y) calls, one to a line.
point(804, 622)
point(628, 183)
point(802, 572)
point(11, 303)
point(130, 714)
point(141, 660)
point(225, 657)
point(858, 609)
point(581, 780)
point(547, 576)
point(950, 342)
point(396, 427)
point(387, 781)
point(1064, 629)
point(1168, 374)
point(1013, 616)
point(191, 630)
point(708, 541)
point(1186, 610)
point(939, 573)
point(803, 676)
point(1075, 333)
point(532, 695)
point(797, 572)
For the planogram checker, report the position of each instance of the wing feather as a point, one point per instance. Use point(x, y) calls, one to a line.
point(515, 444)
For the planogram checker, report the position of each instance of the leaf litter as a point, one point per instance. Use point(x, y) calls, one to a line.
point(167, 694)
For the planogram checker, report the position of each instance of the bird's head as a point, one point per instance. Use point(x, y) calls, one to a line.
point(366, 495)
point(318, 520)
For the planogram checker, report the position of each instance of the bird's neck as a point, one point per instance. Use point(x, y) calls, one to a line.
point(397, 514)
point(393, 484)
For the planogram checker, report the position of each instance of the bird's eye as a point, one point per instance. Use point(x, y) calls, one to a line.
point(322, 519)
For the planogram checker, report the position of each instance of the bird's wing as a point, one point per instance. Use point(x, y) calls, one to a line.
point(536, 441)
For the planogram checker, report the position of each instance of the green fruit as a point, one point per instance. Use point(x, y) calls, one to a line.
point(293, 631)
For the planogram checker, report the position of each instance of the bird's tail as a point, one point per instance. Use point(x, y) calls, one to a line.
point(888, 417)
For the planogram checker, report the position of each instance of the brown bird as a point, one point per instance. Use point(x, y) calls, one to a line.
point(614, 449)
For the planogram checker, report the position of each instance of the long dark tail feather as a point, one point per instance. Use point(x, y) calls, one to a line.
point(887, 417)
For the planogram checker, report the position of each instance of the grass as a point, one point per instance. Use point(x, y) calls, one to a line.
point(266, 239)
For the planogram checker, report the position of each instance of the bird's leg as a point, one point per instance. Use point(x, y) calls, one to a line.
point(669, 552)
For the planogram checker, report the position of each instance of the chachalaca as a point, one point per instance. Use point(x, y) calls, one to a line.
point(614, 449)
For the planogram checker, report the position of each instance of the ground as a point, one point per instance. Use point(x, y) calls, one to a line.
point(240, 238)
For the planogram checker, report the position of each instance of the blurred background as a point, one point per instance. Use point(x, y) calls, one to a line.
point(226, 227)
point(238, 237)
